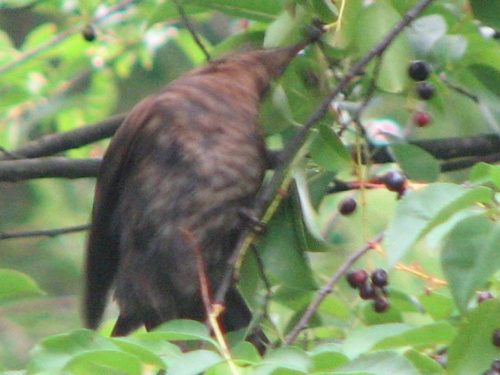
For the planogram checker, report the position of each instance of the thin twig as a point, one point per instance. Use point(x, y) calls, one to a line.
point(44, 232)
point(212, 313)
point(61, 37)
point(266, 196)
point(327, 289)
point(190, 28)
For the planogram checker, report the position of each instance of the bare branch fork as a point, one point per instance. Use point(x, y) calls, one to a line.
point(266, 197)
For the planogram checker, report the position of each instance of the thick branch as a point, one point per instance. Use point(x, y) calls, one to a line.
point(465, 152)
point(25, 169)
point(54, 143)
point(446, 149)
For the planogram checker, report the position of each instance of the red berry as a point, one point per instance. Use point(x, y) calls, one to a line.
point(379, 277)
point(483, 296)
point(357, 278)
point(421, 118)
point(496, 338)
point(381, 304)
point(347, 206)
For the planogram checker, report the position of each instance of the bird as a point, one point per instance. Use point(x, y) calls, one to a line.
point(174, 180)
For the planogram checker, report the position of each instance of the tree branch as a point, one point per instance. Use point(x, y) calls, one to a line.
point(25, 169)
point(446, 149)
point(44, 232)
point(327, 289)
point(13, 168)
point(54, 143)
point(192, 31)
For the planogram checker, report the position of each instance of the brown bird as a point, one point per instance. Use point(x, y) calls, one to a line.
point(187, 160)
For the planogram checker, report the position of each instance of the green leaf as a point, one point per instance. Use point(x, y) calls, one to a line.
point(180, 330)
point(364, 339)
point(438, 306)
point(486, 11)
point(449, 48)
point(193, 363)
point(424, 32)
point(291, 359)
point(473, 351)
point(103, 362)
point(380, 363)
point(470, 256)
point(417, 163)
point(15, 284)
point(488, 76)
point(483, 173)
point(380, 18)
point(140, 350)
point(282, 249)
point(325, 359)
point(420, 211)
point(287, 28)
point(328, 151)
point(424, 336)
point(55, 352)
point(424, 363)
point(259, 10)
point(39, 35)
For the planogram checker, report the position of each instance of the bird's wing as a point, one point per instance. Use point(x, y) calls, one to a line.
point(103, 243)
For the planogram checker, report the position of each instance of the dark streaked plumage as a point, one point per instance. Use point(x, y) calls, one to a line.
point(184, 161)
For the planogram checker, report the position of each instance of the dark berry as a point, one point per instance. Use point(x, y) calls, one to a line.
point(483, 296)
point(421, 118)
point(394, 181)
point(419, 70)
point(425, 90)
point(381, 304)
point(496, 338)
point(88, 33)
point(495, 365)
point(357, 278)
point(379, 277)
point(367, 291)
point(347, 206)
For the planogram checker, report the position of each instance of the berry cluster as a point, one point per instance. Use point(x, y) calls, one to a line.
point(494, 369)
point(419, 71)
point(371, 288)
